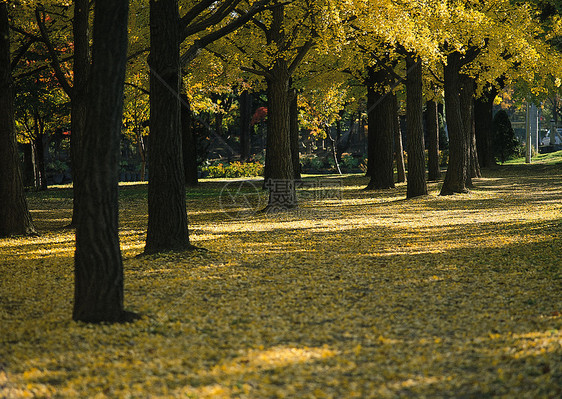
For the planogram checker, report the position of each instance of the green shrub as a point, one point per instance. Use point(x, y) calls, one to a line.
point(316, 163)
point(349, 161)
point(235, 169)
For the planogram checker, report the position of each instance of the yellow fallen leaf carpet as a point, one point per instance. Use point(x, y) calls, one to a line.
point(356, 294)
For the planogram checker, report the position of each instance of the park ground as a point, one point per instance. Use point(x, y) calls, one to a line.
point(356, 294)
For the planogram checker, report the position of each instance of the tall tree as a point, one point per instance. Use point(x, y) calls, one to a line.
point(414, 116)
point(77, 90)
point(457, 171)
point(98, 264)
point(246, 105)
point(381, 124)
point(167, 215)
point(483, 119)
point(432, 126)
point(279, 35)
point(14, 214)
point(398, 148)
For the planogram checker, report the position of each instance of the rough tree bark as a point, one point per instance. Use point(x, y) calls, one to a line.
point(432, 125)
point(98, 264)
point(245, 128)
point(189, 144)
point(14, 214)
point(78, 94)
point(483, 119)
point(280, 173)
point(294, 129)
point(468, 86)
point(167, 225)
point(381, 131)
point(414, 115)
point(398, 147)
point(457, 170)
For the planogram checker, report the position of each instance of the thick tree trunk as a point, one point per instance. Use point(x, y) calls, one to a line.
point(79, 98)
point(414, 115)
point(432, 125)
point(457, 170)
point(14, 214)
point(167, 215)
point(280, 179)
point(381, 132)
point(371, 103)
point(483, 119)
point(189, 144)
point(398, 148)
point(245, 128)
point(28, 165)
point(468, 87)
point(98, 263)
point(279, 173)
point(294, 129)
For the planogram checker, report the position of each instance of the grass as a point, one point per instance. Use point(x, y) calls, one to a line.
point(551, 158)
point(356, 294)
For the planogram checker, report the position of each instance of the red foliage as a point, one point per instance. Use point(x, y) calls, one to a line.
point(259, 115)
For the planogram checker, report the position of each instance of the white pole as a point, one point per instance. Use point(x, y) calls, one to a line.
point(528, 133)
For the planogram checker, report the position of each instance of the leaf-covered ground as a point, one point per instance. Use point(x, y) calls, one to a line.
point(355, 295)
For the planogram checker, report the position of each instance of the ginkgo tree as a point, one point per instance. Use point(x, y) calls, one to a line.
point(15, 218)
point(172, 31)
point(484, 42)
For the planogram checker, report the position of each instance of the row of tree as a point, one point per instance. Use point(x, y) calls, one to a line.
point(459, 50)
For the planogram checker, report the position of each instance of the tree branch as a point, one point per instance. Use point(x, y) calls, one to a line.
point(201, 43)
point(37, 70)
point(54, 57)
point(194, 12)
point(300, 56)
point(213, 19)
point(265, 74)
point(141, 89)
point(437, 78)
point(20, 52)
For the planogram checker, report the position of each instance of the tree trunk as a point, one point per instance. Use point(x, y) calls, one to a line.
point(457, 170)
point(189, 144)
point(14, 214)
point(474, 165)
point(79, 98)
point(245, 128)
point(416, 148)
point(381, 131)
point(432, 125)
point(167, 215)
point(398, 148)
point(468, 86)
point(294, 129)
point(281, 176)
point(483, 119)
point(371, 103)
point(39, 155)
point(28, 165)
point(98, 263)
